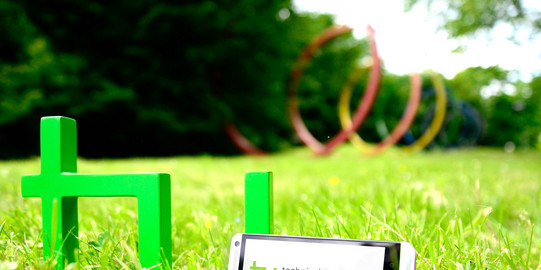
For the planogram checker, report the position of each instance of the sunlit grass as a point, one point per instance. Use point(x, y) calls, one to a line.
point(466, 209)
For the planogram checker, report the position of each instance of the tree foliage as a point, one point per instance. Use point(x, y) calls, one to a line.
point(468, 17)
point(511, 109)
point(161, 78)
point(152, 78)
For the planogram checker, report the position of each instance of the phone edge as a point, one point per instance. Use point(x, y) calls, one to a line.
point(408, 256)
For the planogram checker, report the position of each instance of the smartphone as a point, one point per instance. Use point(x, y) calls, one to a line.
point(279, 252)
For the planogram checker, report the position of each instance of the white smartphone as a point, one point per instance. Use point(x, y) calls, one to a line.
point(279, 252)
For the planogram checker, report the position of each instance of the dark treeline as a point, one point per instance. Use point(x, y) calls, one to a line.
point(161, 78)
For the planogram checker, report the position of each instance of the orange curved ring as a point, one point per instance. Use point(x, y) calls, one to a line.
point(396, 134)
point(360, 113)
point(240, 141)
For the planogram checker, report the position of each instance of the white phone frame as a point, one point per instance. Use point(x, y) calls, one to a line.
point(406, 259)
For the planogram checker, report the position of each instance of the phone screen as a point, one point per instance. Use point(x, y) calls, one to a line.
point(266, 252)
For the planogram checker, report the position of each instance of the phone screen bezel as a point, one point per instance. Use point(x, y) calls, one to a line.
point(390, 247)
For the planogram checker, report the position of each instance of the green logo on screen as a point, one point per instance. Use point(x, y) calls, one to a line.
point(255, 267)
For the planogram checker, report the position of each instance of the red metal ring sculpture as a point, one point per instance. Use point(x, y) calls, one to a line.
point(245, 145)
point(401, 128)
point(363, 108)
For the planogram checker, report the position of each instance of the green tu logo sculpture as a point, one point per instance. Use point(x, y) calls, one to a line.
point(258, 202)
point(59, 186)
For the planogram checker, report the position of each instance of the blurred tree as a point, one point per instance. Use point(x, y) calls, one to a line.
point(469, 84)
point(31, 76)
point(152, 78)
point(532, 93)
point(511, 109)
point(161, 78)
point(468, 17)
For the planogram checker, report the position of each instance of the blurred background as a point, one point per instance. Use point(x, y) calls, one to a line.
point(162, 78)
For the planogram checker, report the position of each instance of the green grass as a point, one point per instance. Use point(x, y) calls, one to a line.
point(466, 209)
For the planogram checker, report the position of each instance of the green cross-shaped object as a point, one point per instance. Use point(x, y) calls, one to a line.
point(255, 267)
point(258, 202)
point(59, 185)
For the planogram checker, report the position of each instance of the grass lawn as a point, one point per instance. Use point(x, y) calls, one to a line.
point(464, 209)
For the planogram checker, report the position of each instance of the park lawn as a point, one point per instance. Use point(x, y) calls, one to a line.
point(461, 209)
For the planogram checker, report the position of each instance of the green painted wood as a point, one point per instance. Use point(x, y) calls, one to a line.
point(258, 203)
point(59, 185)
